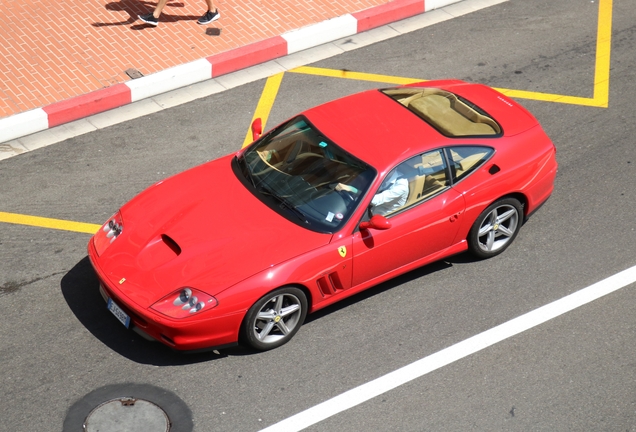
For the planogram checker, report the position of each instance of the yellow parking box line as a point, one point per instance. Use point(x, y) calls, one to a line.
point(603, 49)
point(548, 97)
point(265, 103)
point(521, 94)
point(42, 222)
point(358, 76)
point(601, 70)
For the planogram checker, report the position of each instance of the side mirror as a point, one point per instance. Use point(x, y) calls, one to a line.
point(257, 129)
point(376, 222)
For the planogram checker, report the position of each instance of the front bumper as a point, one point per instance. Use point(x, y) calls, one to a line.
point(206, 332)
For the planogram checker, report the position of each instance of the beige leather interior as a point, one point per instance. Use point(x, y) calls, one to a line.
point(431, 186)
point(265, 155)
point(416, 187)
point(445, 111)
point(453, 117)
point(422, 187)
point(469, 162)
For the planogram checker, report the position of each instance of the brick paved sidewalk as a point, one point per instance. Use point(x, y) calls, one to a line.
point(54, 50)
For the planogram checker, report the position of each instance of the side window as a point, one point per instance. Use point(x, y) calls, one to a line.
point(412, 181)
point(432, 174)
point(466, 159)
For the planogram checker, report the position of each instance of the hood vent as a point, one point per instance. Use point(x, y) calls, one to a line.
point(158, 252)
point(171, 244)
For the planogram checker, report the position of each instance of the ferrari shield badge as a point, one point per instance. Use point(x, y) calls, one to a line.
point(342, 250)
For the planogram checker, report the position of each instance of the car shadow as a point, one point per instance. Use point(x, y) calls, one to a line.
point(80, 288)
point(380, 288)
point(462, 258)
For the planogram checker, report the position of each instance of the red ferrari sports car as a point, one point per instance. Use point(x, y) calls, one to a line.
point(337, 199)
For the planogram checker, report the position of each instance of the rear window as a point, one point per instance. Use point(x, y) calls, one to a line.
point(451, 115)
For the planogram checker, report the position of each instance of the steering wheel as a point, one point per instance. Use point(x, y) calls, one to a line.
point(347, 196)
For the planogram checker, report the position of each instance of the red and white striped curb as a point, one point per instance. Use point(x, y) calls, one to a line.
point(118, 95)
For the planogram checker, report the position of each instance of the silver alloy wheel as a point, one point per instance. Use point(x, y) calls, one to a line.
point(498, 228)
point(277, 318)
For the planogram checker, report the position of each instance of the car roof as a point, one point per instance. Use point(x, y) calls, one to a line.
point(374, 128)
point(380, 131)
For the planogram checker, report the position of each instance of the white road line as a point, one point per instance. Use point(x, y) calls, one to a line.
point(394, 379)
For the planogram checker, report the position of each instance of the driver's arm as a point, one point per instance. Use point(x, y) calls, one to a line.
point(399, 190)
point(343, 187)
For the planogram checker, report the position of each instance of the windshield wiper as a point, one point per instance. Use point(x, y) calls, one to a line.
point(284, 203)
point(246, 170)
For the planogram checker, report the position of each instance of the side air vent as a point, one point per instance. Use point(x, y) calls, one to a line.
point(335, 281)
point(329, 284)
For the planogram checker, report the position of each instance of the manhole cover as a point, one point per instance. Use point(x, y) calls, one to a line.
point(125, 415)
point(129, 407)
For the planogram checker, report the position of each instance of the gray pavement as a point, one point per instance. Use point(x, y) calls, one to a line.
point(575, 372)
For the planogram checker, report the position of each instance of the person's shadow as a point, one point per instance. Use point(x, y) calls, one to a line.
point(134, 8)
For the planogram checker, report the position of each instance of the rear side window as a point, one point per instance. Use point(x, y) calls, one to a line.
point(452, 115)
point(466, 159)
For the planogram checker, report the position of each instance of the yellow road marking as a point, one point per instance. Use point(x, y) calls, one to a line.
point(265, 104)
point(358, 76)
point(548, 97)
point(521, 94)
point(603, 48)
point(43, 222)
point(601, 70)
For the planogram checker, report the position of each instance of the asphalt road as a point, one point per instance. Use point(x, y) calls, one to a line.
point(575, 372)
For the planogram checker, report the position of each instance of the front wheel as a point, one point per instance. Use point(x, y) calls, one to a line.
point(495, 228)
point(275, 318)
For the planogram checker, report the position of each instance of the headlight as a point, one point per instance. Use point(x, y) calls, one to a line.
point(184, 303)
point(108, 233)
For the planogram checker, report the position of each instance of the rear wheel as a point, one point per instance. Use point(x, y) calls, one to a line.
point(275, 318)
point(495, 228)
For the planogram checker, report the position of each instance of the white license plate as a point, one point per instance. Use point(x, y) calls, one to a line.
point(120, 314)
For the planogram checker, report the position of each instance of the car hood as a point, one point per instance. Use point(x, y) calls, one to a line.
point(201, 228)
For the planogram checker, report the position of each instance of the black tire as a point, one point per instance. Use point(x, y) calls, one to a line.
point(275, 318)
point(495, 228)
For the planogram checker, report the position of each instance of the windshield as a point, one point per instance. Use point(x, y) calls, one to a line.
point(306, 177)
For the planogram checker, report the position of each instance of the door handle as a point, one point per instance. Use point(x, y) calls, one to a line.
point(454, 217)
